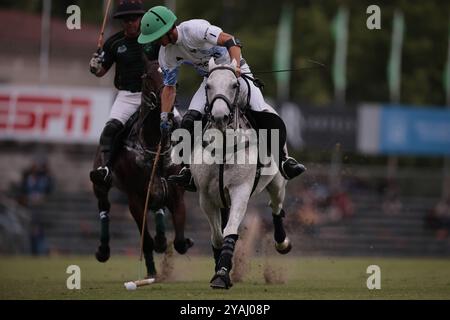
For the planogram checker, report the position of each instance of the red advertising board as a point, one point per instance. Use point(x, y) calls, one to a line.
point(53, 114)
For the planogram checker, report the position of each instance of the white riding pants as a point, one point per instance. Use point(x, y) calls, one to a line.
point(125, 105)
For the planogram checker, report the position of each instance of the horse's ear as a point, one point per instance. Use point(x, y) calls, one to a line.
point(212, 63)
point(234, 64)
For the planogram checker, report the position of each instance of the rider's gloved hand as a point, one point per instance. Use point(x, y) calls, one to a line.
point(166, 123)
point(95, 65)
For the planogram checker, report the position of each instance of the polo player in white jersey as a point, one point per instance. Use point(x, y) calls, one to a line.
point(194, 42)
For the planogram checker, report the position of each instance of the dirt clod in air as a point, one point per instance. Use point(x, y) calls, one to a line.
point(272, 274)
point(166, 267)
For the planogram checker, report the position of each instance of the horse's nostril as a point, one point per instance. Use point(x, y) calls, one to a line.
point(222, 119)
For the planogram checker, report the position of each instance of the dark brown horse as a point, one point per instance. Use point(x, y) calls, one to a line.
point(133, 162)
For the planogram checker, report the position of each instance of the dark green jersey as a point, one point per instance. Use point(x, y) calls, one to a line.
point(127, 54)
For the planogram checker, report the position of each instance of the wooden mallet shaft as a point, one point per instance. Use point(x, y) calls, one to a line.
point(102, 30)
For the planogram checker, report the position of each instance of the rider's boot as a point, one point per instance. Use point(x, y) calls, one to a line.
point(184, 177)
point(290, 168)
point(103, 174)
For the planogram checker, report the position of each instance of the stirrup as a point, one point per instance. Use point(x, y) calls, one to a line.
point(191, 187)
point(295, 170)
point(182, 179)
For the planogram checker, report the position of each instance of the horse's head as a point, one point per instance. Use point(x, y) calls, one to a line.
point(152, 84)
point(222, 93)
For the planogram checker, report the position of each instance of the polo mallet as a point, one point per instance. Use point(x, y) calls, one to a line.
point(132, 285)
point(102, 30)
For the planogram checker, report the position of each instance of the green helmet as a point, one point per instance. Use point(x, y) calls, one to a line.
point(156, 23)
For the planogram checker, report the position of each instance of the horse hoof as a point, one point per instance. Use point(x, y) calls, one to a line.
point(102, 254)
point(182, 246)
point(221, 280)
point(160, 244)
point(284, 247)
point(219, 283)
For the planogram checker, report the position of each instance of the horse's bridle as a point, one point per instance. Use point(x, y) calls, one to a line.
point(153, 98)
point(231, 105)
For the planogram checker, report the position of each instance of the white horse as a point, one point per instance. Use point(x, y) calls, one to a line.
point(231, 185)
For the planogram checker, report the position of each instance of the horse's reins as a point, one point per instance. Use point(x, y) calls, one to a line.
point(317, 65)
point(247, 78)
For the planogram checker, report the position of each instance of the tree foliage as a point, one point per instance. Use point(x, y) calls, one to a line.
point(255, 24)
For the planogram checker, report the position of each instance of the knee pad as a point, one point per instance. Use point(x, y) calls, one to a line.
point(112, 128)
point(189, 118)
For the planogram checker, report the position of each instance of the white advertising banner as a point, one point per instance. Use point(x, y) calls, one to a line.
point(53, 114)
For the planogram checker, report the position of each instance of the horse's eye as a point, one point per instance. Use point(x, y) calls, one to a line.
point(207, 86)
point(235, 85)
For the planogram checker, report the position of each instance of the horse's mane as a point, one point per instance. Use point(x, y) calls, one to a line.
point(152, 79)
point(150, 108)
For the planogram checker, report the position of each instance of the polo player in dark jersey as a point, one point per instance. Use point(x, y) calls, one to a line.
point(122, 49)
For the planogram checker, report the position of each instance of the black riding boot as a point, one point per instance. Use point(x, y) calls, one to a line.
point(103, 174)
point(289, 167)
point(184, 177)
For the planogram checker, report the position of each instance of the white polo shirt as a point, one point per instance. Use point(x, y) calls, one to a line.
point(196, 44)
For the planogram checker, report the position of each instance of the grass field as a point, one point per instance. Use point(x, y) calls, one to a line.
point(290, 277)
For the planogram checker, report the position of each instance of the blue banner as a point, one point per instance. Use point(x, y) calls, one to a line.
point(415, 131)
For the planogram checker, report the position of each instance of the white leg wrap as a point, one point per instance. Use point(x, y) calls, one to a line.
point(104, 214)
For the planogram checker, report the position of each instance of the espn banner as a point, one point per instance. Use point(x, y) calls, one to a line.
point(53, 114)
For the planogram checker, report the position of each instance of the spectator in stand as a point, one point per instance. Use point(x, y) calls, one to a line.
point(438, 218)
point(341, 206)
point(36, 185)
point(307, 213)
point(391, 198)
